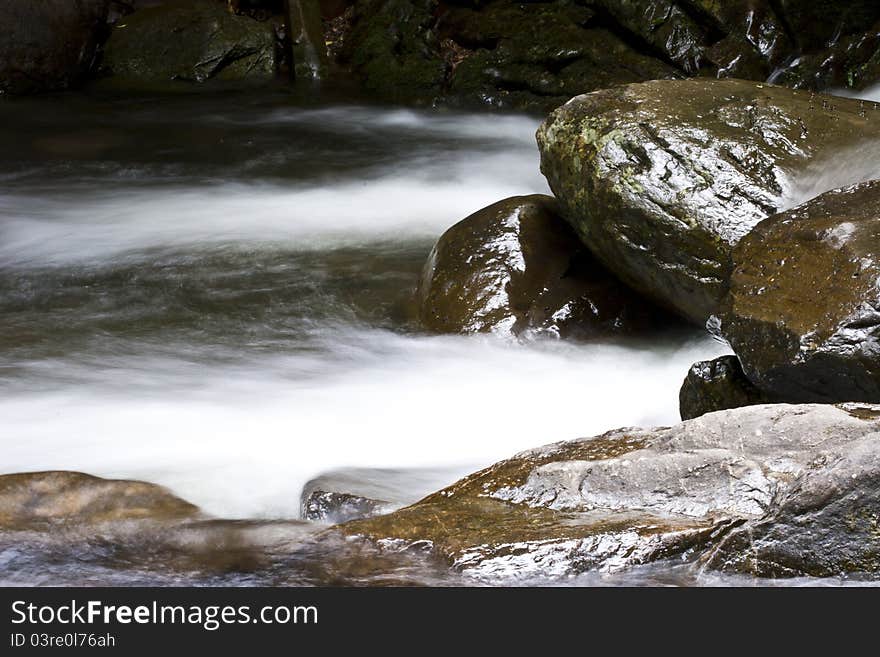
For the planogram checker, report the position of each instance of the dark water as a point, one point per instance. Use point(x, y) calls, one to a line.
point(213, 293)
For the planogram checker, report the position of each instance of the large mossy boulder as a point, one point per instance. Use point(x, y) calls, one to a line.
point(662, 179)
point(190, 42)
point(515, 267)
point(801, 476)
point(803, 313)
point(48, 45)
point(717, 385)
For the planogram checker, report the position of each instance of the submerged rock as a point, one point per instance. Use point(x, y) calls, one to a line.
point(193, 42)
point(637, 495)
point(48, 45)
point(802, 314)
point(717, 385)
point(354, 493)
point(662, 179)
point(515, 267)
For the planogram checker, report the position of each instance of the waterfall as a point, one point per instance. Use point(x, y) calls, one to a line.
point(307, 51)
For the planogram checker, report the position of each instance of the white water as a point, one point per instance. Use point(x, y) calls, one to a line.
point(242, 442)
point(240, 431)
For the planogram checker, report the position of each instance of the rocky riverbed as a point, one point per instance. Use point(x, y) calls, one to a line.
point(255, 332)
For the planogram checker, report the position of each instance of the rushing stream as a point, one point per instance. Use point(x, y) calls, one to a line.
point(213, 293)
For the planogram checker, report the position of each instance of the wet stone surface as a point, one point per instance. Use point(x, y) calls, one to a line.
point(803, 307)
point(516, 268)
point(662, 179)
point(716, 385)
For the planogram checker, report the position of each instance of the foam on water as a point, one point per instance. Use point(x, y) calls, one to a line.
point(241, 441)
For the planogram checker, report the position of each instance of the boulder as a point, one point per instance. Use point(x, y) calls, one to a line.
point(634, 496)
point(717, 385)
point(824, 525)
point(48, 45)
point(394, 50)
point(803, 313)
point(516, 267)
point(536, 56)
point(69, 528)
point(190, 42)
point(40, 498)
point(662, 179)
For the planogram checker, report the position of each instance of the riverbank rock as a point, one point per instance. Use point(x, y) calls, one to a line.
point(662, 179)
point(536, 56)
point(70, 528)
point(394, 51)
point(717, 385)
point(824, 525)
point(802, 313)
point(48, 45)
point(637, 495)
point(516, 267)
point(193, 42)
point(37, 498)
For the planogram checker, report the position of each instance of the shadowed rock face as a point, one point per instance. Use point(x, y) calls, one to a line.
point(517, 267)
point(662, 179)
point(47, 45)
point(804, 307)
point(193, 42)
point(633, 496)
point(717, 385)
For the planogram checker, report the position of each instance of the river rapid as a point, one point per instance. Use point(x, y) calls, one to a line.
point(213, 293)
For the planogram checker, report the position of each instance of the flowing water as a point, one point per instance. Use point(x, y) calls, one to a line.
point(213, 293)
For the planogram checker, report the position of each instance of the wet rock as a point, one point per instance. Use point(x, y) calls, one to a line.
point(852, 61)
point(825, 525)
point(517, 267)
point(716, 385)
point(816, 24)
point(661, 179)
point(355, 493)
point(38, 498)
point(802, 313)
point(633, 496)
point(193, 42)
point(665, 26)
point(47, 45)
point(755, 41)
point(327, 506)
point(72, 528)
point(394, 50)
point(536, 56)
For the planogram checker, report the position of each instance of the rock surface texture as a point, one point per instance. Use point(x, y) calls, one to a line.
point(48, 45)
point(516, 267)
point(193, 42)
point(535, 55)
point(717, 385)
point(798, 475)
point(662, 179)
point(803, 313)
